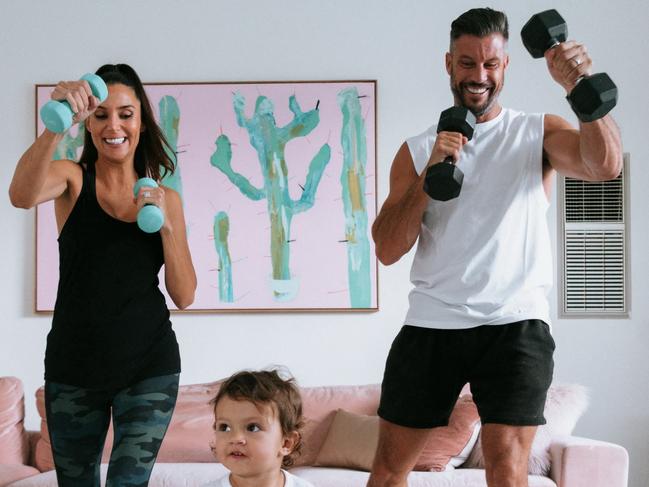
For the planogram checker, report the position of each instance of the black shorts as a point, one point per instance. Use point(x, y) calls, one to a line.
point(508, 366)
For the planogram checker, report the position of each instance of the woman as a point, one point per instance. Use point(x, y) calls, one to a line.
point(111, 346)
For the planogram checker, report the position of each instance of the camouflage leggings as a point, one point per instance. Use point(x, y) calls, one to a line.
point(78, 420)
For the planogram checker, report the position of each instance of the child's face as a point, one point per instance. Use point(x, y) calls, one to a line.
point(248, 439)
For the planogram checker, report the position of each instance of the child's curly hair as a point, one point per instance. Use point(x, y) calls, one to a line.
point(268, 388)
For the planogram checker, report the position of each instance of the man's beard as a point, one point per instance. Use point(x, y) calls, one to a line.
point(460, 95)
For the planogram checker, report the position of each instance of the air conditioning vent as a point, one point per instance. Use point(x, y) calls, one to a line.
point(593, 255)
point(595, 271)
point(594, 201)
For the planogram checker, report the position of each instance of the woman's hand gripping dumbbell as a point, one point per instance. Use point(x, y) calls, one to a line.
point(150, 217)
point(73, 101)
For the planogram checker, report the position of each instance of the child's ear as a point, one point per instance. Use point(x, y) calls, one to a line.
point(291, 440)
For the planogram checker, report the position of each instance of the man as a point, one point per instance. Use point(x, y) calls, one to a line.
point(479, 311)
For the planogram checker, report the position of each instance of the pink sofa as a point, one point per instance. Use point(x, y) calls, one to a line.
point(185, 458)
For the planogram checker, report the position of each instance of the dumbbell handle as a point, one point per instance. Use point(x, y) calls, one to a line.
point(555, 44)
point(150, 218)
point(57, 115)
point(598, 78)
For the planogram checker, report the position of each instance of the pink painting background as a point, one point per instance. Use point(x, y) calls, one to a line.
point(317, 258)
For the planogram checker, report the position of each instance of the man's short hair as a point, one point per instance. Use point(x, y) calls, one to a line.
point(480, 22)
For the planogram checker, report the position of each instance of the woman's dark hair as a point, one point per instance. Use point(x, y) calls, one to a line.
point(150, 152)
point(480, 22)
point(267, 387)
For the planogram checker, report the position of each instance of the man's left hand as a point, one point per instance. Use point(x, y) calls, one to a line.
point(567, 62)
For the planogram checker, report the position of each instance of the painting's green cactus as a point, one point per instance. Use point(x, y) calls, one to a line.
point(269, 141)
point(352, 179)
point(221, 231)
point(68, 147)
point(169, 123)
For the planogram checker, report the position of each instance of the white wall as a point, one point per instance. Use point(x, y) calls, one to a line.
point(401, 44)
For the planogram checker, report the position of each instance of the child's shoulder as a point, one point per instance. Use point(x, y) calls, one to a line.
point(222, 482)
point(295, 481)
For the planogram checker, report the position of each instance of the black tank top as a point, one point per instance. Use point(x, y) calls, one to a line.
point(111, 324)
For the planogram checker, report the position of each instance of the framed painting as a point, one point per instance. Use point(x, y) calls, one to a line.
point(278, 183)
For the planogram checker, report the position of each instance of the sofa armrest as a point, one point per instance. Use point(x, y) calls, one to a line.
point(582, 462)
point(14, 472)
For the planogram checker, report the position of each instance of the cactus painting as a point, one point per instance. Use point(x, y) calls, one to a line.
point(169, 123)
point(269, 141)
point(278, 189)
point(221, 231)
point(69, 147)
point(352, 181)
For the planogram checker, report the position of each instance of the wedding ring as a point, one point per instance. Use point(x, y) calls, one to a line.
point(146, 194)
point(577, 61)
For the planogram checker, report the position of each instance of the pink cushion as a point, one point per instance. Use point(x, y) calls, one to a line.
point(190, 432)
point(320, 405)
point(14, 447)
point(449, 441)
point(43, 453)
point(352, 439)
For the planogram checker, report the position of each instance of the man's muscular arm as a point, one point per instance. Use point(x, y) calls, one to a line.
point(397, 225)
point(594, 152)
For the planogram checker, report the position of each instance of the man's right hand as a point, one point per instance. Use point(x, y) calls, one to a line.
point(447, 144)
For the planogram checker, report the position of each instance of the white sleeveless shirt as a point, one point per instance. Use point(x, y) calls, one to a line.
point(484, 258)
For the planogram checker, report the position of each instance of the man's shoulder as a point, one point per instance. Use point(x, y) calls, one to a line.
point(513, 119)
point(422, 142)
point(430, 132)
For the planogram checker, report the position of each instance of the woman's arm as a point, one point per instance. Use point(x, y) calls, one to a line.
point(180, 277)
point(37, 178)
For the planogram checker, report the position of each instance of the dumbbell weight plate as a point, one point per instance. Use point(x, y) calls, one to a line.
point(443, 181)
point(593, 97)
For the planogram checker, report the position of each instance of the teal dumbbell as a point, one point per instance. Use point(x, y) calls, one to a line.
point(57, 115)
point(149, 218)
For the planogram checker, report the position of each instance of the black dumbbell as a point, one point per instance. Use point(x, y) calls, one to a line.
point(444, 180)
point(593, 96)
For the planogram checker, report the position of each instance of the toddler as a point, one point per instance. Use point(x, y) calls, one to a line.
point(257, 418)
